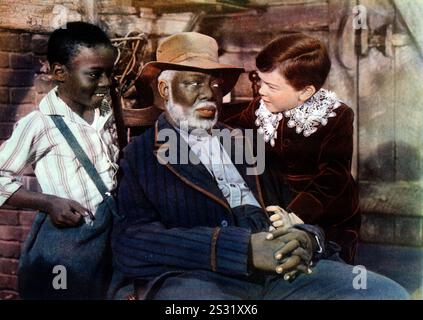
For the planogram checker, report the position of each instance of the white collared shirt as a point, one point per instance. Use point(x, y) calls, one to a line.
point(36, 141)
point(215, 158)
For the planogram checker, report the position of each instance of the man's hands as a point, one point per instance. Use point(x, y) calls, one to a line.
point(297, 253)
point(66, 212)
point(283, 251)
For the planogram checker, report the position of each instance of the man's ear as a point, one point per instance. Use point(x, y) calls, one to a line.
point(163, 89)
point(59, 72)
point(307, 93)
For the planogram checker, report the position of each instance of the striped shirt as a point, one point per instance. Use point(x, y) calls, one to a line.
point(37, 142)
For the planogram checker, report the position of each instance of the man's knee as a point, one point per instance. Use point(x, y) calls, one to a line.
point(192, 286)
point(383, 288)
point(356, 282)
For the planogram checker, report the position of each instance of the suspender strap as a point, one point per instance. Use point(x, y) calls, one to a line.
point(81, 155)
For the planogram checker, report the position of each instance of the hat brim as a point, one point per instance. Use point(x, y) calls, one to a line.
point(229, 74)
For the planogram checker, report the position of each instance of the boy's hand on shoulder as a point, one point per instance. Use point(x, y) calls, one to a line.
point(281, 219)
point(65, 212)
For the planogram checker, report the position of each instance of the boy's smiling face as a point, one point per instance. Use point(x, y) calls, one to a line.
point(278, 94)
point(87, 78)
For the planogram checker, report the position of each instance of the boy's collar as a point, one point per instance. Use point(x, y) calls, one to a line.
point(305, 118)
point(51, 104)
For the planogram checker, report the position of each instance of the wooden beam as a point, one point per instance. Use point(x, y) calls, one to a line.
point(376, 104)
point(308, 17)
point(392, 198)
point(124, 2)
point(36, 18)
point(210, 6)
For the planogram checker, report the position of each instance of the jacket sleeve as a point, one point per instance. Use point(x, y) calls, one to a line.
point(334, 174)
point(142, 244)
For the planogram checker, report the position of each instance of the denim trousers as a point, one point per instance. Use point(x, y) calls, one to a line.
point(330, 280)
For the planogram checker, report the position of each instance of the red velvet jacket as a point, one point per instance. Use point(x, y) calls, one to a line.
point(317, 169)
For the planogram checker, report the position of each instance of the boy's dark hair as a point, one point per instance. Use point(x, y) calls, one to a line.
point(302, 60)
point(65, 43)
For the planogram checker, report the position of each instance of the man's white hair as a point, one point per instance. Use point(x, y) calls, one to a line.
point(167, 75)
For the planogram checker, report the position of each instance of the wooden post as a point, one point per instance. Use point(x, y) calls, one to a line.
point(90, 10)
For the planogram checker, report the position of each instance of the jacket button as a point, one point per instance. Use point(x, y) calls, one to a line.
point(224, 223)
point(286, 142)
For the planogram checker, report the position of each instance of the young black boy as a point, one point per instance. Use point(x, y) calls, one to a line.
point(66, 255)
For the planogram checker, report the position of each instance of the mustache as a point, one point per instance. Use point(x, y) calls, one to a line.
point(205, 104)
point(103, 91)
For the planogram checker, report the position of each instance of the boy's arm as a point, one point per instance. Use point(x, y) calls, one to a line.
point(63, 212)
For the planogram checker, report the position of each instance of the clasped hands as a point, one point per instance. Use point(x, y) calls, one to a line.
point(284, 249)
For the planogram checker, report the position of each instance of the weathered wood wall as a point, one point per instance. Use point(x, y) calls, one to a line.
point(390, 125)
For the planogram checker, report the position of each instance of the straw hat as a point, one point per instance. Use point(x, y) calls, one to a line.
point(191, 51)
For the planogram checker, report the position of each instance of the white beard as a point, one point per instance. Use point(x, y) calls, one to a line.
point(187, 118)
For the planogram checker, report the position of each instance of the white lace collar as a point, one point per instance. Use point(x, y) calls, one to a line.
point(305, 118)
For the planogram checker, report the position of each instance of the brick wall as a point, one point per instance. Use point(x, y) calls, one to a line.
point(14, 227)
point(22, 84)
